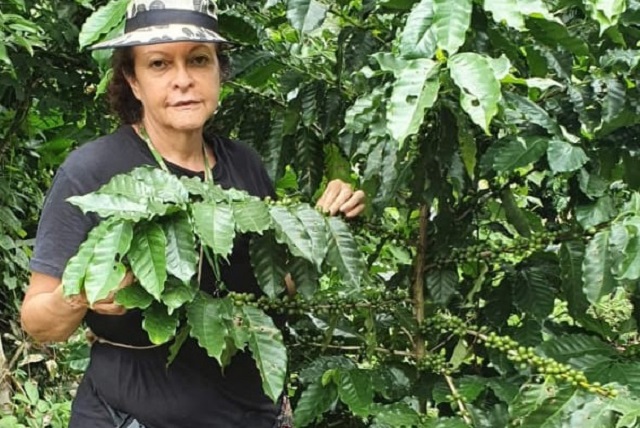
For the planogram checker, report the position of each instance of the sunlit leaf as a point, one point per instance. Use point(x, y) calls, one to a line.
point(451, 21)
point(159, 324)
point(181, 255)
point(148, 258)
point(267, 349)
point(214, 224)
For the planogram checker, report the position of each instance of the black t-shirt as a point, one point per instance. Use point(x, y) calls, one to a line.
point(192, 391)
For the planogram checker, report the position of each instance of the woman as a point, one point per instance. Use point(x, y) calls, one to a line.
point(167, 74)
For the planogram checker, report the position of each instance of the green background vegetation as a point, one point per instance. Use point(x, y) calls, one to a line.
point(498, 144)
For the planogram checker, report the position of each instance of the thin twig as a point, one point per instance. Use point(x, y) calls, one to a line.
point(463, 410)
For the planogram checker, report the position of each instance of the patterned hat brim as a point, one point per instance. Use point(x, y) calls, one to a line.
point(163, 34)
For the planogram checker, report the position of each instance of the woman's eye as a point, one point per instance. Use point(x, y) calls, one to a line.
point(157, 64)
point(200, 60)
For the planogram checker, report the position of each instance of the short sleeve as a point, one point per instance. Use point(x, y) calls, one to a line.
point(61, 229)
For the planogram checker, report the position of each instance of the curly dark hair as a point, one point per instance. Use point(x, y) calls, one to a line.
point(121, 99)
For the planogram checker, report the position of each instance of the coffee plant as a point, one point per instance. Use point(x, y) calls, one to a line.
point(497, 141)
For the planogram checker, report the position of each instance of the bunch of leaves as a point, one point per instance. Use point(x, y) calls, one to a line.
point(152, 223)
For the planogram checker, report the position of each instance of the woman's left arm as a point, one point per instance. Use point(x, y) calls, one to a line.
point(340, 198)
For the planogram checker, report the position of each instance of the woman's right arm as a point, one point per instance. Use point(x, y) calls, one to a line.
point(46, 315)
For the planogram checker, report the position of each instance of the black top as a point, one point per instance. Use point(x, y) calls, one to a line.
point(192, 391)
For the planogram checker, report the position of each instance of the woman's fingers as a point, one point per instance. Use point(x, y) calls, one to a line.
point(339, 197)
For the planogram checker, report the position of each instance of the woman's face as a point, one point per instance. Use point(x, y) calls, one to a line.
point(178, 84)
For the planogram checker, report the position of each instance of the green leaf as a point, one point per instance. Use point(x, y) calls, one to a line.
point(479, 88)
point(606, 12)
point(267, 349)
point(595, 414)
point(451, 21)
point(566, 347)
point(148, 258)
point(210, 320)
point(518, 152)
point(215, 225)
point(513, 213)
point(104, 272)
point(343, 253)
point(565, 157)
point(528, 111)
point(417, 39)
point(76, 269)
point(314, 401)
point(596, 268)
point(396, 414)
point(315, 226)
point(251, 216)
point(117, 206)
point(556, 410)
point(177, 293)
point(102, 21)
point(627, 265)
point(530, 398)
point(505, 11)
point(290, 231)
point(305, 15)
point(165, 186)
point(133, 296)
point(571, 257)
point(554, 33)
point(356, 391)
point(305, 276)
point(594, 214)
point(267, 259)
point(414, 91)
point(159, 324)
point(181, 255)
point(442, 285)
point(534, 291)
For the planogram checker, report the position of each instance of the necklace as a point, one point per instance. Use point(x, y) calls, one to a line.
point(142, 132)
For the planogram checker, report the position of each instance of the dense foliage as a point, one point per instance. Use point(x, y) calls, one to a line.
point(498, 144)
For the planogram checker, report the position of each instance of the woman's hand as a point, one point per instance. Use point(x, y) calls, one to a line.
point(339, 197)
point(106, 306)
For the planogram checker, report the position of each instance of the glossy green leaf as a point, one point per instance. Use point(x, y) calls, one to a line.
point(76, 269)
point(414, 91)
point(606, 12)
point(505, 11)
point(103, 21)
point(148, 258)
point(596, 213)
point(290, 231)
point(314, 401)
point(535, 290)
point(134, 296)
point(177, 293)
point(451, 21)
point(181, 254)
point(566, 347)
point(105, 272)
point(518, 152)
point(305, 15)
point(442, 285)
point(159, 324)
point(343, 253)
point(596, 268)
point(251, 216)
point(117, 206)
point(209, 319)
point(418, 39)
point(479, 88)
point(305, 276)
point(528, 111)
point(267, 259)
point(267, 349)
point(215, 225)
point(356, 391)
point(165, 186)
point(396, 414)
point(565, 157)
point(315, 226)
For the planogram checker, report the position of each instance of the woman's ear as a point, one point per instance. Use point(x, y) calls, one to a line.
point(133, 84)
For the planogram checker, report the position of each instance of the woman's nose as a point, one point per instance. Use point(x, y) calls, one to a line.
point(182, 78)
